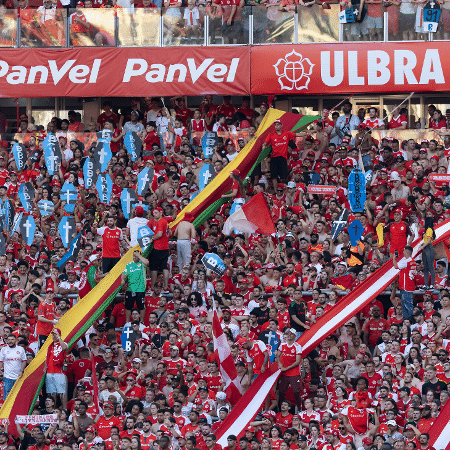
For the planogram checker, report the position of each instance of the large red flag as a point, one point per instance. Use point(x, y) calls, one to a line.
point(225, 360)
point(253, 217)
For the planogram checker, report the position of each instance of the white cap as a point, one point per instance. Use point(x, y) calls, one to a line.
point(93, 257)
point(395, 176)
point(291, 184)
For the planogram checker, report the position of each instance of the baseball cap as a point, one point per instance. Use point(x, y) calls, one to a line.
point(277, 121)
point(108, 405)
point(236, 172)
point(280, 186)
point(251, 429)
point(291, 184)
point(90, 429)
point(392, 422)
point(367, 441)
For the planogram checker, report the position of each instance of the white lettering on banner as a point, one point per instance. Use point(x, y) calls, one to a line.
point(325, 68)
point(378, 71)
point(39, 74)
point(37, 419)
point(177, 72)
point(378, 61)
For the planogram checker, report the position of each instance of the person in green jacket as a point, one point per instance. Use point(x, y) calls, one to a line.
point(135, 275)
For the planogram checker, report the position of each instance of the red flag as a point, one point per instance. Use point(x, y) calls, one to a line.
point(227, 367)
point(253, 217)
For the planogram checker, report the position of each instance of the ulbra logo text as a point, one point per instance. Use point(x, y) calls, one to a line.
point(159, 73)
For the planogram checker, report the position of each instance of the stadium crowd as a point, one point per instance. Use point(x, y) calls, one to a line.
point(379, 381)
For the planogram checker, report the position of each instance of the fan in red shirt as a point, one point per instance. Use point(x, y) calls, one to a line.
point(399, 232)
point(112, 236)
point(279, 142)
point(289, 357)
point(107, 421)
point(406, 283)
point(160, 239)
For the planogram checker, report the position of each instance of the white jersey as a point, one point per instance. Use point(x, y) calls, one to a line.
point(12, 359)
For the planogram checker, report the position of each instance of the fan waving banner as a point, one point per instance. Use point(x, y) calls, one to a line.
point(26, 195)
point(53, 155)
point(225, 360)
point(90, 172)
point(133, 144)
point(253, 217)
point(20, 155)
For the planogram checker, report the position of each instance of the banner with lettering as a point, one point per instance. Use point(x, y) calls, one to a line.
point(37, 419)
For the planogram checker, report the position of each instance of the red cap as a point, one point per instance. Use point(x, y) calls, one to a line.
point(139, 209)
point(251, 429)
point(280, 186)
point(257, 266)
point(332, 431)
point(435, 157)
point(244, 280)
point(159, 210)
point(108, 405)
point(367, 441)
point(277, 121)
point(188, 217)
point(236, 172)
point(17, 311)
point(91, 429)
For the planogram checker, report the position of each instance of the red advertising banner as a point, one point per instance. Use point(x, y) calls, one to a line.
point(350, 68)
point(319, 189)
point(439, 177)
point(123, 72)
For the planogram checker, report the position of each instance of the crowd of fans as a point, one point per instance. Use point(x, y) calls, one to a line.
point(379, 381)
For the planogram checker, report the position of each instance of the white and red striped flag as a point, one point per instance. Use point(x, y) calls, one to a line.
point(225, 360)
point(440, 430)
point(351, 304)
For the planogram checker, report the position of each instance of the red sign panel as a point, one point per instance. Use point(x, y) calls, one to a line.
point(439, 177)
point(347, 68)
point(123, 72)
point(319, 189)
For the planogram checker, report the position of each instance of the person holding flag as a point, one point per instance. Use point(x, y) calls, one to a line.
point(56, 381)
point(90, 275)
point(289, 357)
point(135, 277)
point(112, 236)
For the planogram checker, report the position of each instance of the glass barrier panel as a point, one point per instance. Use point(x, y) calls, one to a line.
point(369, 28)
point(404, 22)
point(43, 27)
point(8, 27)
point(271, 25)
point(226, 30)
point(443, 31)
point(91, 27)
point(184, 25)
point(139, 28)
point(173, 24)
point(318, 23)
